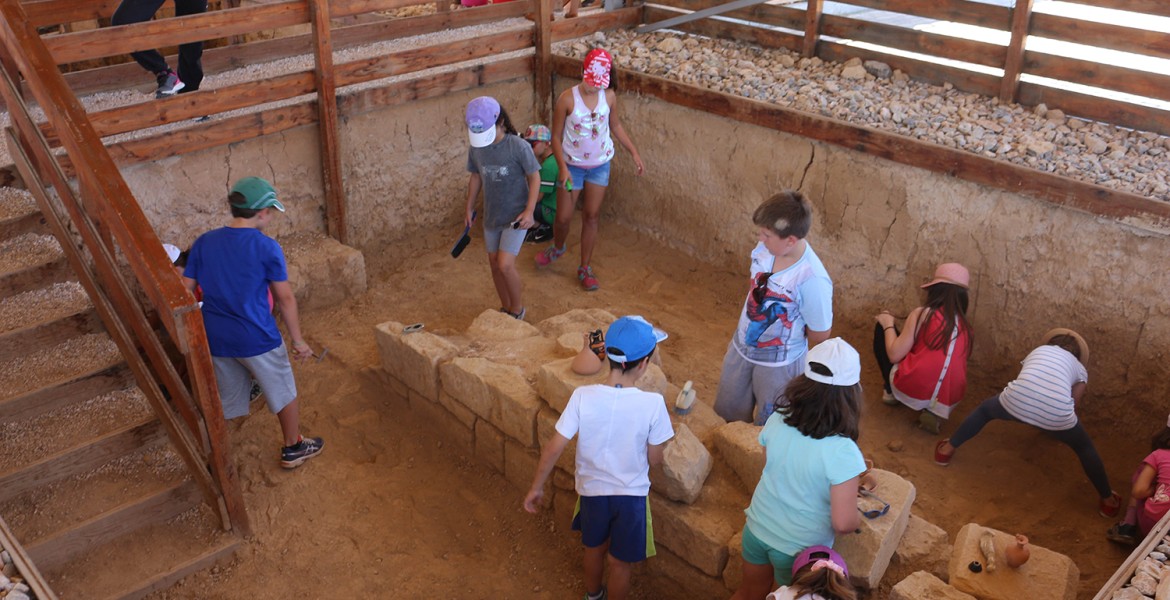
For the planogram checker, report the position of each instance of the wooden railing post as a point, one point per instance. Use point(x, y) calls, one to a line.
point(327, 121)
point(812, 27)
point(542, 66)
point(1014, 62)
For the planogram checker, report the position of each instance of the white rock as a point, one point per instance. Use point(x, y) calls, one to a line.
point(1040, 110)
point(1128, 594)
point(670, 44)
point(854, 72)
point(1144, 583)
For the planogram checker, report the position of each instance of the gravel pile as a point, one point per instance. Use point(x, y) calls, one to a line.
point(1152, 577)
point(873, 95)
point(12, 585)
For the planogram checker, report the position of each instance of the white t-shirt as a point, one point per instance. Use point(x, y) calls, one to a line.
point(771, 333)
point(615, 426)
point(1041, 394)
point(784, 593)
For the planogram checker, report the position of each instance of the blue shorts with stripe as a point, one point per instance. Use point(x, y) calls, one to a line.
point(623, 521)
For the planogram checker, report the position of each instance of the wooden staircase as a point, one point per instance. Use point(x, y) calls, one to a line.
point(90, 483)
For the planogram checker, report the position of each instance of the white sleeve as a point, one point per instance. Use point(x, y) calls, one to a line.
point(660, 427)
point(570, 421)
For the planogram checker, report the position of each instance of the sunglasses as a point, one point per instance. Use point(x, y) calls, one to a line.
point(761, 290)
point(875, 513)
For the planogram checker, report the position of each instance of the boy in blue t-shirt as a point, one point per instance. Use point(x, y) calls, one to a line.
point(236, 266)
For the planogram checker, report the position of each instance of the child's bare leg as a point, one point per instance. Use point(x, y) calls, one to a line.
point(590, 215)
point(566, 200)
point(290, 422)
point(757, 582)
point(506, 264)
point(618, 582)
point(595, 567)
point(500, 280)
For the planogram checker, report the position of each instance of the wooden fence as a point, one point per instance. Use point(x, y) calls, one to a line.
point(812, 30)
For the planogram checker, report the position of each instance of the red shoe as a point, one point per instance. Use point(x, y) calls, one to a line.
point(588, 280)
point(941, 459)
point(1110, 507)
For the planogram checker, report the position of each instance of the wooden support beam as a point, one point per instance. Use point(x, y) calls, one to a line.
point(812, 27)
point(542, 85)
point(1014, 64)
point(327, 123)
point(997, 174)
point(54, 551)
point(623, 18)
point(699, 14)
point(24, 565)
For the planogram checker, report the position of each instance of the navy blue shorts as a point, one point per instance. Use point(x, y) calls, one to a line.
point(623, 521)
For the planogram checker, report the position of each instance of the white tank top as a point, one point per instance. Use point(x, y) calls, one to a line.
point(586, 141)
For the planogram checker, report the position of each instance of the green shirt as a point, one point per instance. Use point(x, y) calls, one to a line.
point(548, 192)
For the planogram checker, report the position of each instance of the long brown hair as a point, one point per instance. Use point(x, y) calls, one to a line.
point(826, 582)
point(950, 300)
point(819, 410)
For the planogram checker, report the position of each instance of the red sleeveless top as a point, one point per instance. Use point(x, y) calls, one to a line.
point(918, 373)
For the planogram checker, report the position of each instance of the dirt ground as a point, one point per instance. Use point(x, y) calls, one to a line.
point(388, 512)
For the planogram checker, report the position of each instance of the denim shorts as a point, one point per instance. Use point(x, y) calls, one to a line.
point(507, 240)
point(598, 175)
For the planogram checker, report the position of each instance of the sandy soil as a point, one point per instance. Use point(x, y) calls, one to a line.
point(388, 512)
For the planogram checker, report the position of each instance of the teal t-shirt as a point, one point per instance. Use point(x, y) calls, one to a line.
point(790, 509)
point(548, 190)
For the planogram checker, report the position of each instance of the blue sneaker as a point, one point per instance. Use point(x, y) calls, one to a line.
point(294, 456)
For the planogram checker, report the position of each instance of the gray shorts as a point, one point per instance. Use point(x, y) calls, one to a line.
point(271, 370)
point(750, 392)
point(504, 240)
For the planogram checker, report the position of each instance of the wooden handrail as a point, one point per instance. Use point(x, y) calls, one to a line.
point(54, 12)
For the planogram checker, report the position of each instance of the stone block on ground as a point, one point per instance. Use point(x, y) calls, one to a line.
point(498, 393)
point(452, 430)
point(570, 343)
point(868, 554)
point(322, 271)
point(702, 419)
point(924, 586)
point(489, 445)
point(555, 382)
point(654, 380)
point(924, 547)
point(739, 445)
point(519, 464)
point(546, 426)
point(698, 533)
point(733, 572)
point(1046, 575)
point(685, 466)
point(413, 358)
point(494, 326)
point(670, 576)
point(578, 321)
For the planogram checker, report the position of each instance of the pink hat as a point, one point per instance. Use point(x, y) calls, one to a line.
point(952, 273)
point(597, 65)
point(821, 557)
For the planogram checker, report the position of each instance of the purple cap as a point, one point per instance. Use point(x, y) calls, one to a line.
point(813, 554)
point(482, 114)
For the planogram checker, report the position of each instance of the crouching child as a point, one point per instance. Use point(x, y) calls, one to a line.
point(622, 431)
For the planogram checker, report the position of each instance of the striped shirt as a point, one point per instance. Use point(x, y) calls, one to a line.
point(1041, 395)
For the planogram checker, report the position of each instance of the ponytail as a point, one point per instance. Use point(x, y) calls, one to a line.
point(826, 582)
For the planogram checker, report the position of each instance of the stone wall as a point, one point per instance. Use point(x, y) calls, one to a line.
point(880, 228)
point(402, 172)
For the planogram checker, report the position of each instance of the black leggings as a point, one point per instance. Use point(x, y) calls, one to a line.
point(190, 55)
point(1074, 438)
point(883, 357)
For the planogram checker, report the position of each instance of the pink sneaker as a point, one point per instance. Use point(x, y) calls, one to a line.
point(588, 281)
point(550, 255)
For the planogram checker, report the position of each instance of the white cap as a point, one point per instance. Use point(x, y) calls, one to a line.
point(842, 361)
point(172, 252)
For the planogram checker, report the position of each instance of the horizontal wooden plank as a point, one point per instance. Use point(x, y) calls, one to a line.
point(1150, 7)
point(136, 590)
point(959, 11)
point(83, 386)
point(979, 169)
point(86, 456)
point(49, 333)
point(1094, 108)
point(1101, 35)
point(433, 86)
point(1109, 77)
point(911, 40)
point(52, 552)
point(417, 59)
point(35, 277)
point(232, 57)
point(728, 30)
point(590, 22)
point(55, 12)
point(33, 222)
point(123, 39)
point(770, 14)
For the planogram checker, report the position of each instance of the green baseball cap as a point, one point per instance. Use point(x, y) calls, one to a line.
point(257, 193)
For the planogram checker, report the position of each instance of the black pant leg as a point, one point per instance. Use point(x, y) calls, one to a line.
point(879, 353)
point(138, 11)
point(190, 55)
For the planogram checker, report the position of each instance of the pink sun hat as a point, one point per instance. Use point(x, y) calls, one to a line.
point(952, 273)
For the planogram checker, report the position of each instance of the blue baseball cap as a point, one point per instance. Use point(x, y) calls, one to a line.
point(481, 117)
point(630, 339)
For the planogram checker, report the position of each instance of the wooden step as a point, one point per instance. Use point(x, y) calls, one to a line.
point(221, 551)
point(107, 377)
point(19, 214)
point(45, 317)
point(45, 367)
point(31, 261)
point(52, 552)
point(82, 457)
